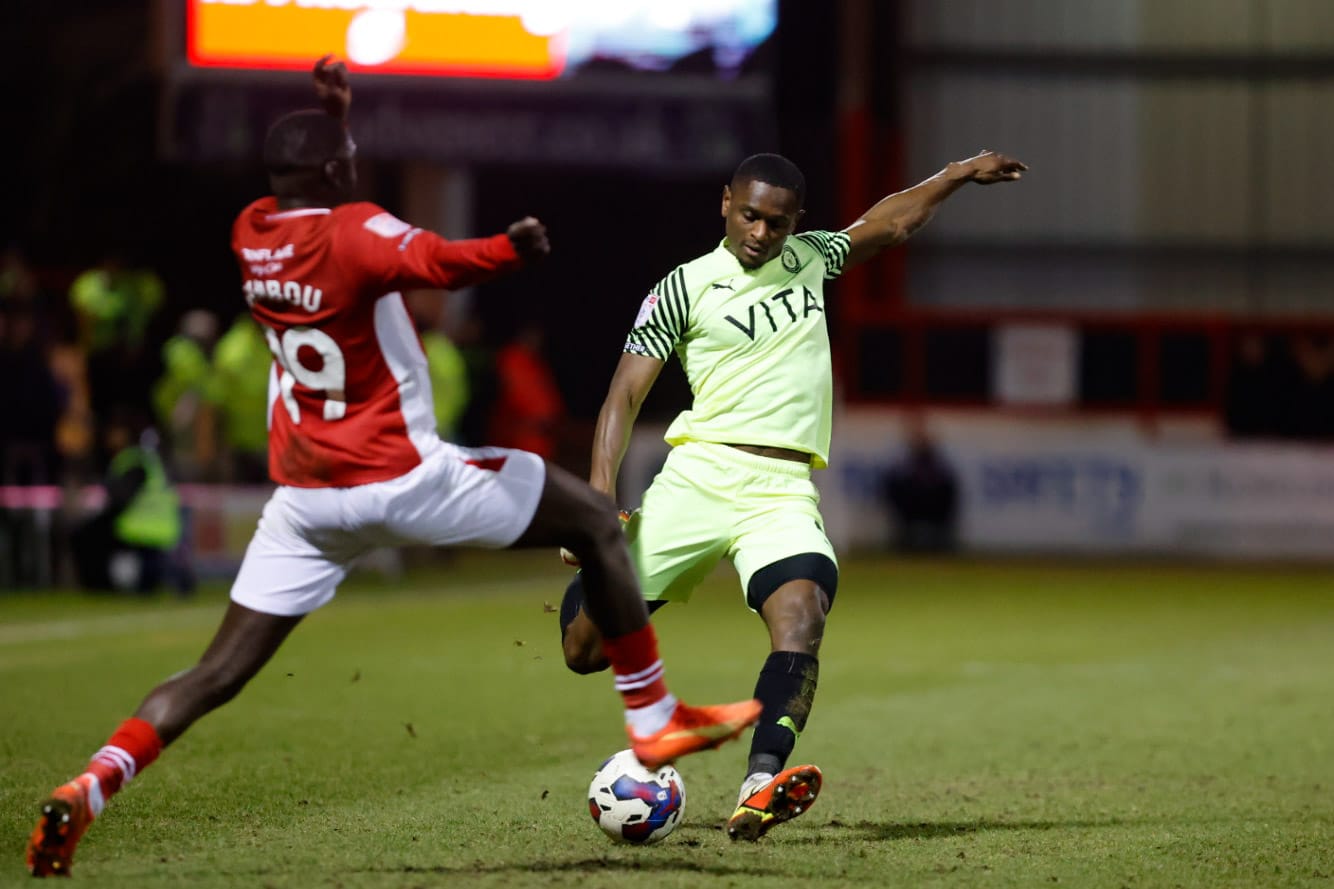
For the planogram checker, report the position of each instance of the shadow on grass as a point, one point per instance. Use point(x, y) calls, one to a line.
point(930, 830)
point(836, 830)
point(587, 865)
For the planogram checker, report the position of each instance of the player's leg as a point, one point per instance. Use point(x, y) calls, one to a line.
point(790, 578)
point(580, 640)
point(243, 643)
point(280, 573)
point(573, 515)
point(497, 497)
point(675, 539)
point(794, 613)
point(579, 636)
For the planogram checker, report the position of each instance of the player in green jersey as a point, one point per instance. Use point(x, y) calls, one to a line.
point(747, 322)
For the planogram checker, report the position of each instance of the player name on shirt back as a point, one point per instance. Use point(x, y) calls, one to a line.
point(292, 293)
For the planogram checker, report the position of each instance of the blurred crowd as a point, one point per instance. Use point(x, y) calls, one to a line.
point(1281, 385)
point(106, 385)
point(94, 357)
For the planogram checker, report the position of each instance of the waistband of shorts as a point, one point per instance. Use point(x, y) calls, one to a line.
point(729, 454)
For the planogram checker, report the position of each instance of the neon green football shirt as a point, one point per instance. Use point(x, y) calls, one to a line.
point(753, 343)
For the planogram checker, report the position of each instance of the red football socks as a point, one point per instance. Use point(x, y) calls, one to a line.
point(127, 752)
point(634, 660)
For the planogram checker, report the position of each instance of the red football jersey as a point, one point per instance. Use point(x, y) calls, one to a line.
point(349, 395)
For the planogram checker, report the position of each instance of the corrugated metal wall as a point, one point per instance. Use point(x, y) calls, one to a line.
point(1178, 152)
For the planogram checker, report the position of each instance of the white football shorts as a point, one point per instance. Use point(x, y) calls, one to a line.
point(308, 538)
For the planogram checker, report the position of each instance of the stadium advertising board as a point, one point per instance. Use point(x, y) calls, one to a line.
point(1260, 500)
point(512, 39)
point(1092, 486)
point(1026, 488)
point(680, 88)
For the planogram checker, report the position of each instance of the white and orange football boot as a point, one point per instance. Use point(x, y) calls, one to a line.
point(767, 801)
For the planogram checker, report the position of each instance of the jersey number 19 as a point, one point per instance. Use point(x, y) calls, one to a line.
point(331, 378)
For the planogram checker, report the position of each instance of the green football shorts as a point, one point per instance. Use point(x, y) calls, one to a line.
point(712, 501)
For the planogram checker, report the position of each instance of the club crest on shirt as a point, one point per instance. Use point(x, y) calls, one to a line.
point(646, 309)
point(790, 261)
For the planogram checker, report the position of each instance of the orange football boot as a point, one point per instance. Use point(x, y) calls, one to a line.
point(65, 816)
point(692, 729)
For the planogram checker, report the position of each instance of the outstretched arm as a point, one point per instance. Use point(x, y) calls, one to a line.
point(895, 218)
point(332, 88)
point(630, 385)
point(404, 256)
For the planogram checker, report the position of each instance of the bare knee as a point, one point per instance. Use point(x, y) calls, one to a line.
point(803, 631)
point(795, 615)
point(584, 662)
point(582, 647)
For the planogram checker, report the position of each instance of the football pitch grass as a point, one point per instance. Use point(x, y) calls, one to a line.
point(998, 724)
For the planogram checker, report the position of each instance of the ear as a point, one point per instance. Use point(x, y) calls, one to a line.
point(330, 169)
point(727, 199)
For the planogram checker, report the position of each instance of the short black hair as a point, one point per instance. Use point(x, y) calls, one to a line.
point(302, 140)
point(775, 170)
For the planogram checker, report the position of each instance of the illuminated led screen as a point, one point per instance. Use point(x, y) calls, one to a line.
point(515, 39)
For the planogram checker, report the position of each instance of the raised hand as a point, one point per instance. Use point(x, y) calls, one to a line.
point(989, 168)
point(529, 238)
point(332, 88)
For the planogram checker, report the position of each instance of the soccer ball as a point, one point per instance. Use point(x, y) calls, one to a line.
point(634, 805)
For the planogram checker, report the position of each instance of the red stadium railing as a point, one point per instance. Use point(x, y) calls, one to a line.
point(1146, 364)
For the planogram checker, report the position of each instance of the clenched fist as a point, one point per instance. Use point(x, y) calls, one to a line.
point(332, 88)
point(529, 238)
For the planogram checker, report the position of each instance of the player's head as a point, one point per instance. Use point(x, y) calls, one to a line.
point(762, 205)
point(311, 156)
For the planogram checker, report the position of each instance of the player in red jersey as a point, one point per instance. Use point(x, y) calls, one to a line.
point(352, 446)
